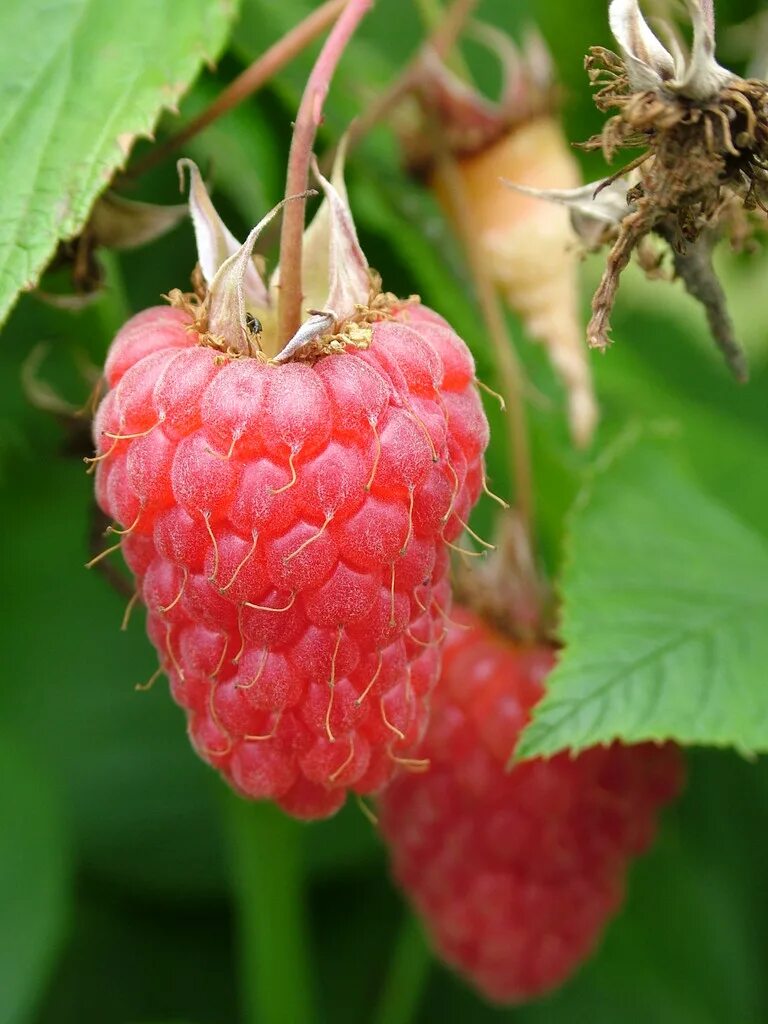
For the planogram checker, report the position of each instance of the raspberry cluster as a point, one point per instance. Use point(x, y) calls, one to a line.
point(516, 872)
point(287, 528)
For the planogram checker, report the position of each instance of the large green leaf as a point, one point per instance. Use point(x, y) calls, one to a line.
point(79, 81)
point(665, 601)
point(34, 876)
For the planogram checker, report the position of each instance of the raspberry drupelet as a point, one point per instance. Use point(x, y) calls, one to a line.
point(286, 514)
point(516, 873)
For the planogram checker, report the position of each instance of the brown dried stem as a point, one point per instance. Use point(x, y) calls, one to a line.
point(694, 267)
point(246, 84)
point(305, 128)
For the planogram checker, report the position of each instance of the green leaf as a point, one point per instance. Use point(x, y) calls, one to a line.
point(665, 600)
point(73, 105)
point(34, 877)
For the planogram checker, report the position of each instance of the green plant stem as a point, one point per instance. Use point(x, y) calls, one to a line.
point(267, 888)
point(406, 977)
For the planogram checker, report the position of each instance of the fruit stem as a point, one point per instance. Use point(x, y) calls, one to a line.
point(305, 128)
point(267, 885)
point(507, 363)
point(408, 972)
point(246, 84)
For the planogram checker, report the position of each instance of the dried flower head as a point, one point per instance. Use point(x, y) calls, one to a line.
point(703, 132)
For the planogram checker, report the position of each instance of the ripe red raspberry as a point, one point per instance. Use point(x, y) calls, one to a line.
point(286, 525)
point(516, 873)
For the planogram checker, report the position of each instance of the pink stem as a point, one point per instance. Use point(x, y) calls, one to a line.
point(307, 121)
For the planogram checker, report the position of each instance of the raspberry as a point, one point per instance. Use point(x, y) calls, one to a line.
point(286, 525)
point(516, 873)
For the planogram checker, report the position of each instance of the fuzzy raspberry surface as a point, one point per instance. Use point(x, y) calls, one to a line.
point(286, 526)
point(516, 874)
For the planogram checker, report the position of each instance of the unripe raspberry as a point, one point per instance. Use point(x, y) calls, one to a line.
point(286, 525)
point(529, 249)
point(516, 873)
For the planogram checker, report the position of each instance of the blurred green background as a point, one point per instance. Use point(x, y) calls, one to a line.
point(121, 856)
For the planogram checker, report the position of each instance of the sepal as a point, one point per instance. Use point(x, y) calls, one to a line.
point(649, 64)
point(216, 243)
point(596, 209)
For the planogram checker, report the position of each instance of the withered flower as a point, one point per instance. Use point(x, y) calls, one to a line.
point(703, 132)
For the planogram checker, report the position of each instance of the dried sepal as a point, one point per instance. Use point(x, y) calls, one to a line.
point(596, 209)
point(525, 71)
point(230, 319)
point(39, 392)
point(114, 223)
point(215, 242)
point(336, 278)
point(120, 223)
point(694, 268)
point(238, 308)
point(650, 66)
point(648, 63)
point(348, 273)
point(469, 120)
point(703, 77)
point(310, 332)
point(225, 307)
point(538, 65)
point(72, 302)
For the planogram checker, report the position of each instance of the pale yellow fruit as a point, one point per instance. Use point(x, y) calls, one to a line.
point(531, 249)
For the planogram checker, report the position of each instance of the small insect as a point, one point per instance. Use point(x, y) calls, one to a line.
point(253, 323)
